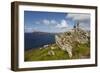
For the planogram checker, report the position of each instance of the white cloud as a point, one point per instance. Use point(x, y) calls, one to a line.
point(85, 26)
point(49, 22)
point(78, 17)
point(46, 22)
point(63, 24)
point(53, 22)
point(84, 19)
point(37, 22)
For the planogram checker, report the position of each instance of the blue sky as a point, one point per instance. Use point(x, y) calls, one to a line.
point(53, 22)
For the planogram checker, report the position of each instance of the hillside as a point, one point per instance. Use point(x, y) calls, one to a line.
point(73, 44)
point(53, 52)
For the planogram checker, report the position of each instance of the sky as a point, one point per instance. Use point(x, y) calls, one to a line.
point(54, 22)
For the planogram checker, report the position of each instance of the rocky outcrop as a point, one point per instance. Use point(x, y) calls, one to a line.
point(66, 40)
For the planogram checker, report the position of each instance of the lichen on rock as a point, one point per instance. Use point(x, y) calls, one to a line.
point(66, 40)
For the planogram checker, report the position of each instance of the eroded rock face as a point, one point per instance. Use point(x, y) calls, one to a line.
point(63, 44)
point(66, 40)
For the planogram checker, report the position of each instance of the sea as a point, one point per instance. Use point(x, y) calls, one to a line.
point(37, 39)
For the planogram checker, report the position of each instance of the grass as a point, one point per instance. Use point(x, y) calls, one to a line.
point(80, 51)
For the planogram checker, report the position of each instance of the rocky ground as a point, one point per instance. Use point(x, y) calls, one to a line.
point(66, 41)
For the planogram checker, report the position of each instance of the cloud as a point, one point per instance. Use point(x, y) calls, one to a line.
point(46, 22)
point(83, 19)
point(85, 26)
point(54, 24)
point(28, 29)
point(63, 24)
point(37, 22)
point(78, 17)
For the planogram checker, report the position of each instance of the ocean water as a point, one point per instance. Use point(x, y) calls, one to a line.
point(36, 40)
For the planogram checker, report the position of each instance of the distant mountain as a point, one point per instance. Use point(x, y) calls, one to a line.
point(44, 33)
point(40, 32)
